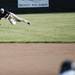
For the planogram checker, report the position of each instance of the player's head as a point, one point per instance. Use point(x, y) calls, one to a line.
point(65, 66)
point(2, 10)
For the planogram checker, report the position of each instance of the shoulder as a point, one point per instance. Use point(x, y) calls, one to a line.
point(70, 72)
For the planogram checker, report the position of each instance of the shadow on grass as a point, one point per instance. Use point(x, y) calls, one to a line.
point(39, 42)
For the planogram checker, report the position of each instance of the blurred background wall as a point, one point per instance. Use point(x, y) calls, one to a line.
point(54, 6)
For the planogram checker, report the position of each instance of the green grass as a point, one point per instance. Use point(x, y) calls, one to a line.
point(51, 27)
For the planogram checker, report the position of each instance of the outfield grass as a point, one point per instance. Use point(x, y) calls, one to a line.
point(51, 27)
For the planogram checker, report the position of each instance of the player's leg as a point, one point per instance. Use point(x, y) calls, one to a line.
point(20, 19)
point(11, 20)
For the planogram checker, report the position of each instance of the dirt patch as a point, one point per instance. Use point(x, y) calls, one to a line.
point(34, 59)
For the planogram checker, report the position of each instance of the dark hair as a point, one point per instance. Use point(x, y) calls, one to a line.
point(65, 66)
